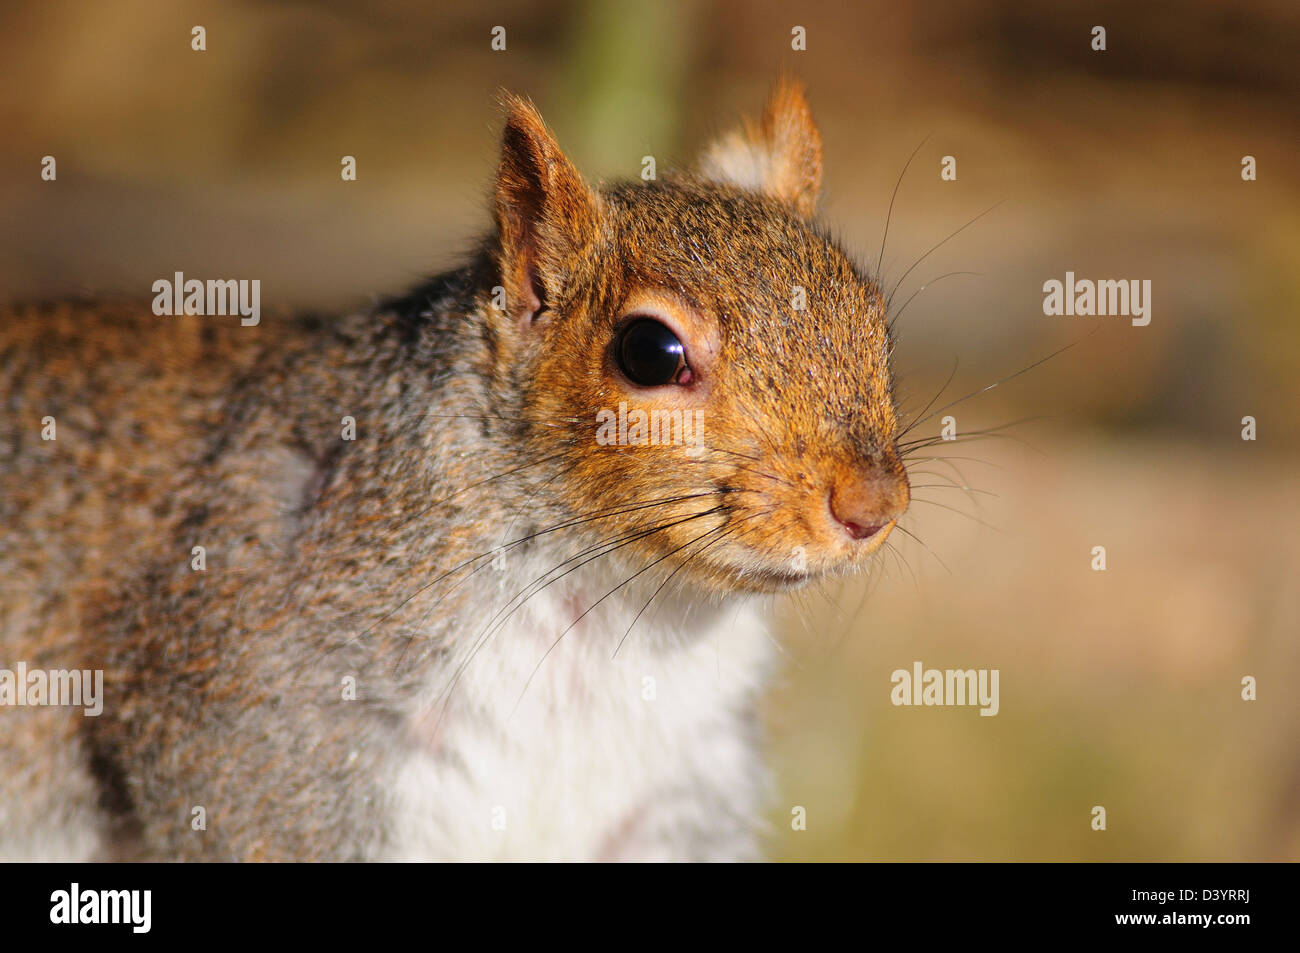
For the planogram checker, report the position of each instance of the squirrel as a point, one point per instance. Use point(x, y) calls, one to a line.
point(470, 628)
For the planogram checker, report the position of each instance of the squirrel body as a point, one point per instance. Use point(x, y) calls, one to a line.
point(370, 588)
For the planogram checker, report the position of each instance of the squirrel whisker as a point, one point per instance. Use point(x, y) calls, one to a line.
point(540, 583)
point(611, 592)
point(730, 531)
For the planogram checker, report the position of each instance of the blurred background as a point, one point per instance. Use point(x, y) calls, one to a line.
point(1119, 688)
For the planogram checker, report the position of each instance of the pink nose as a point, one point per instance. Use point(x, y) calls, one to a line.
point(858, 531)
point(866, 504)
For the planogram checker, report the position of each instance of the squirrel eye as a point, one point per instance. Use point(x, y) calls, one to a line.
point(650, 354)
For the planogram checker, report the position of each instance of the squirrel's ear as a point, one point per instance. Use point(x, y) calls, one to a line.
point(547, 216)
point(781, 156)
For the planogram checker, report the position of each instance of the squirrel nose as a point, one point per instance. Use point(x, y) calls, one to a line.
point(858, 531)
point(866, 504)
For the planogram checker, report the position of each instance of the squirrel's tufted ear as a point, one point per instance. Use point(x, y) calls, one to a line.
point(781, 156)
point(547, 216)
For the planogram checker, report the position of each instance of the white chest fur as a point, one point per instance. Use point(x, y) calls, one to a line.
point(555, 745)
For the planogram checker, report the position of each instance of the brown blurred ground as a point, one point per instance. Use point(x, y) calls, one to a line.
point(1118, 688)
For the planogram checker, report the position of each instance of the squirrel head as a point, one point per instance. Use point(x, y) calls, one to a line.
point(708, 366)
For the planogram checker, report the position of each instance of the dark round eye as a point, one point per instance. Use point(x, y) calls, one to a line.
point(650, 354)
